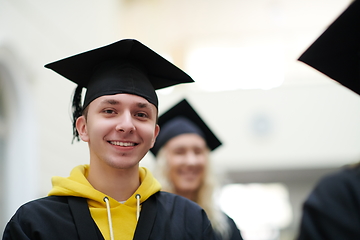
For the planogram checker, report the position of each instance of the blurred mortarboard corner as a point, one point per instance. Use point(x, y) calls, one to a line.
point(336, 53)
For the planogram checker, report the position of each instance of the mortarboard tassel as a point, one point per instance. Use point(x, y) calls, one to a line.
point(76, 111)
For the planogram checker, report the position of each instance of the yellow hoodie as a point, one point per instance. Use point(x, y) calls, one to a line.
point(123, 215)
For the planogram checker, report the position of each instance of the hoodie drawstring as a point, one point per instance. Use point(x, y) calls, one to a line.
point(106, 200)
point(137, 196)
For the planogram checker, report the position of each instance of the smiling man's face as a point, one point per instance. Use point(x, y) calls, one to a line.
point(119, 129)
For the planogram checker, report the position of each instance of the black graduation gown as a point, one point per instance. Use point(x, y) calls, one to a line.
point(234, 232)
point(332, 210)
point(163, 216)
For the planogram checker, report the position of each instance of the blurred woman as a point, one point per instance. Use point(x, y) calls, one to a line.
point(182, 151)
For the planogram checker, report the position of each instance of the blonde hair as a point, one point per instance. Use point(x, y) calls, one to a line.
point(205, 196)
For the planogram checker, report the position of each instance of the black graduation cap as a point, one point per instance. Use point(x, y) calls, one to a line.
point(336, 53)
point(126, 66)
point(180, 119)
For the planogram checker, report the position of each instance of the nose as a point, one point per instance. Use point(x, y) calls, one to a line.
point(125, 123)
point(191, 158)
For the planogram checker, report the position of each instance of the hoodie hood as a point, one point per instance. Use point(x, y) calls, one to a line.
point(123, 216)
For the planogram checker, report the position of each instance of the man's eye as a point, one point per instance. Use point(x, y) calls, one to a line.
point(109, 111)
point(142, 115)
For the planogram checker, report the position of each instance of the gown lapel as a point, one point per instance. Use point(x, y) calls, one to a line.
point(85, 225)
point(146, 219)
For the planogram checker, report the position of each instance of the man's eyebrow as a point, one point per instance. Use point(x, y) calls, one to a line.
point(110, 101)
point(142, 105)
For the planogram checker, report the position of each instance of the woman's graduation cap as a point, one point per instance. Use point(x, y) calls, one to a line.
point(336, 53)
point(126, 66)
point(181, 119)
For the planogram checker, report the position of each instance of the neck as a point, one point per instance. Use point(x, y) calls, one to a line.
point(189, 195)
point(119, 184)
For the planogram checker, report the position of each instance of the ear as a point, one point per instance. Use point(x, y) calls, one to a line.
point(81, 127)
point(156, 133)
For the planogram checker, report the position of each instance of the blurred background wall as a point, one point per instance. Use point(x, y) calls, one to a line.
point(283, 125)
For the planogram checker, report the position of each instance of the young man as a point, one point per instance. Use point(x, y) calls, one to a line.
point(112, 198)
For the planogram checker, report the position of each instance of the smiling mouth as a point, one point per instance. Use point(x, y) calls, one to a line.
point(193, 173)
point(123, 144)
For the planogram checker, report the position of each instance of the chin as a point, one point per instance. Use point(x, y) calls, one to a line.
point(122, 164)
point(189, 188)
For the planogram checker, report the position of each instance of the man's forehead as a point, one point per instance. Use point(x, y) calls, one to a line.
point(124, 98)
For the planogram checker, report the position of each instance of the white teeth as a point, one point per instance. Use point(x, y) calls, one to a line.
point(123, 144)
